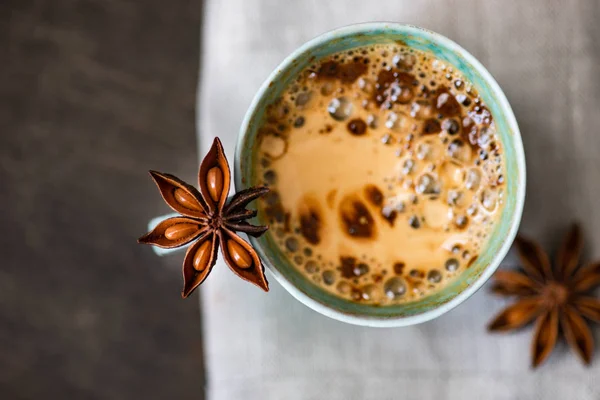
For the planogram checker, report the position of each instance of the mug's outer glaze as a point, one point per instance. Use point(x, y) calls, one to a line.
point(504, 232)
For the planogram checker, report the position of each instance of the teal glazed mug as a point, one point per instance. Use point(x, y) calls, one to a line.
point(504, 232)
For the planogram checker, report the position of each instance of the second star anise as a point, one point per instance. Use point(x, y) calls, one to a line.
point(555, 297)
point(209, 221)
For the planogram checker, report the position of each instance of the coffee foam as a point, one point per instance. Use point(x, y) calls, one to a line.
point(386, 174)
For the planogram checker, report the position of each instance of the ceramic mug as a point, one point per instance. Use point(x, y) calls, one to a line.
point(504, 232)
point(470, 280)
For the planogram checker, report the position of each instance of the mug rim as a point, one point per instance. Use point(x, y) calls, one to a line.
point(499, 97)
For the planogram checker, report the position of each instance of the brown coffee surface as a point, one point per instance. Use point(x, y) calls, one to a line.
point(386, 173)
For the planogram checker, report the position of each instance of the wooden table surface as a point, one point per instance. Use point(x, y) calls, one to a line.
point(92, 94)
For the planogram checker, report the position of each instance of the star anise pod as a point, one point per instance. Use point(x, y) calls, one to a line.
point(208, 220)
point(555, 297)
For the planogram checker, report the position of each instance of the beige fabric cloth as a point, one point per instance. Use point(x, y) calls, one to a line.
point(546, 56)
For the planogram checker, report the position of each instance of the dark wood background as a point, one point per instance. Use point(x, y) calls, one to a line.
point(93, 93)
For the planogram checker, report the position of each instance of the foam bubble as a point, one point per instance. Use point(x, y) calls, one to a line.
point(311, 266)
point(463, 99)
point(489, 199)
point(357, 127)
point(461, 221)
point(424, 150)
point(458, 150)
point(387, 139)
point(328, 277)
point(408, 166)
point(365, 85)
point(299, 122)
point(451, 173)
point(404, 61)
point(327, 89)
point(428, 185)
point(485, 137)
point(273, 145)
point(394, 288)
point(391, 120)
point(421, 110)
point(450, 126)
point(370, 292)
point(472, 210)
point(455, 198)
point(303, 98)
point(434, 276)
point(451, 265)
point(414, 222)
point(361, 269)
point(291, 244)
point(372, 121)
point(343, 287)
point(340, 108)
point(417, 274)
point(473, 179)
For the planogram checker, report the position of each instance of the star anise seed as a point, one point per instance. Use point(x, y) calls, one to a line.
point(210, 222)
point(555, 297)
